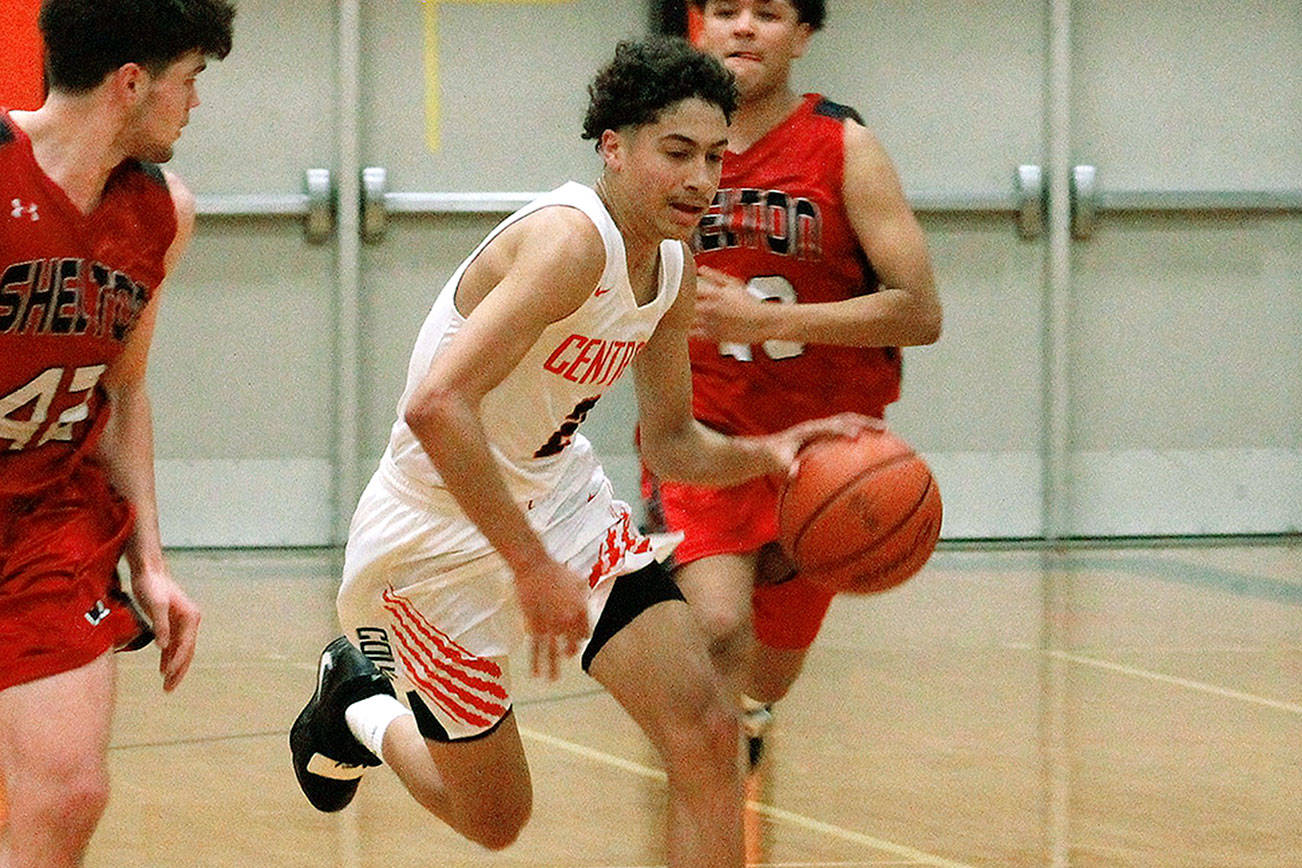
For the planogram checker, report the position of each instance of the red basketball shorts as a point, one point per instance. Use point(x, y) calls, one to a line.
point(737, 520)
point(60, 603)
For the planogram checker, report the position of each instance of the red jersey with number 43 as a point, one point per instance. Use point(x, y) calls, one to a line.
point(72, 287)
point(778, 222)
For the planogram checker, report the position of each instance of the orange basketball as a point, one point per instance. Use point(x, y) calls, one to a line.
point(859, 515)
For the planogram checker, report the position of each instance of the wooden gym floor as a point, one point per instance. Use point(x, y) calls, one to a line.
point(1135, 706)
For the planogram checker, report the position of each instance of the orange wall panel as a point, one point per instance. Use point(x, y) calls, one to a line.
point(21, 81)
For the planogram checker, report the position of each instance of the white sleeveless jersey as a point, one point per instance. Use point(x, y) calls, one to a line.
point(532, 416)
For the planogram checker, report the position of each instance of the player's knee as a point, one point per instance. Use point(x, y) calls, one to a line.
point(67, 803)
point(492, 817)
point(704, 737)
point(498, 837)
point(499, 828)
point(724, 626)
point(727, 630)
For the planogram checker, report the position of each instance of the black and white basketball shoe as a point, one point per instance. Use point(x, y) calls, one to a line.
point(328, 760)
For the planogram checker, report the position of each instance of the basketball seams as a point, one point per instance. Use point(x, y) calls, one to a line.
point(844, 561)
point(887, 570)
point(869, 532)
point(836, 495)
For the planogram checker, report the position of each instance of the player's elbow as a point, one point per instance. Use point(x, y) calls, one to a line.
point(429, 409)
point(655, 461)
point(926, 321)
point(932, 324)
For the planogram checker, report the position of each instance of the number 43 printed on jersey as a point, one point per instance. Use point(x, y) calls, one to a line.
point(40, 393)
point(773, 289)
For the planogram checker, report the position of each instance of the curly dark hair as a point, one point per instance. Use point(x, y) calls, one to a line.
point(648, 76)
point(811, 12)
point(85, 40)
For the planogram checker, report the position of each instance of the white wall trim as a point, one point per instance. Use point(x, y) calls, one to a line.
point(1145, 492)
point(987, 495)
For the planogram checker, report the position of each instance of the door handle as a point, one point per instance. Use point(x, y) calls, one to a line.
point(375, 216)
point(1029, 197)
point(319, 206)
point(1084, 201)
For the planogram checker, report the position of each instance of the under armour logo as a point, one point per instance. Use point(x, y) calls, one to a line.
point(97, 613)
point(20, 210)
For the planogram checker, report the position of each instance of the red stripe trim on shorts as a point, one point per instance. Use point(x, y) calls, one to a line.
point(619, 542)
point(442, 700)
point(447, 677)
point(449, 648)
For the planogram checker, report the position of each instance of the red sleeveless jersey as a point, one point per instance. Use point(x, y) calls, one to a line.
point(72, 287)
point(779, 223)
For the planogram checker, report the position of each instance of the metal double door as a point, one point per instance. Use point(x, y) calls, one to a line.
point(1111, 192)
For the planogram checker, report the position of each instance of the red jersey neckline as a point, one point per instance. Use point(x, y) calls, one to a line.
point(52, 186)
point(807, 101)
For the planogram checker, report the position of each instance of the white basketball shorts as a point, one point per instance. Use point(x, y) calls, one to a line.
point(430, 602)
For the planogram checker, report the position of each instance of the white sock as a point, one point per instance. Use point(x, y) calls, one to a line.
point(369, 718)
point(755, 716)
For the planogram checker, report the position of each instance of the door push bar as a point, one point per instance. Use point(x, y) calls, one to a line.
point(1088, 200)
point(1028, 203)
point(315, 205)
point(377, 202)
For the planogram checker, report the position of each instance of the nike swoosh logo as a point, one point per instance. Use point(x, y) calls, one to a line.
point(326, 662)
point(602, 291)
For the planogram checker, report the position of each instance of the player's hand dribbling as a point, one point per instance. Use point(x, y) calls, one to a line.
point(553, 599)
point(175, 621)
point(787, 443)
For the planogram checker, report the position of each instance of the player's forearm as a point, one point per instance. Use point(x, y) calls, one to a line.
point(126, 451)
point(886, 318)
point(452, 435)
point(700, 456)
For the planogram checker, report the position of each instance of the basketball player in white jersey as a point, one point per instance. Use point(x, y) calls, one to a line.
point(490, 520)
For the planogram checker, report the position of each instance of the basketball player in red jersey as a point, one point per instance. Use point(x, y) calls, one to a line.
point(812, 272)
point(89, 226)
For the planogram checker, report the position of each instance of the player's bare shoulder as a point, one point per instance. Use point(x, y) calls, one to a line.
point(870, 182)
point(566, 231)
point(556, 244)
point(555, 256)
point(183, 201)
point(181, 195)
point(863, 148)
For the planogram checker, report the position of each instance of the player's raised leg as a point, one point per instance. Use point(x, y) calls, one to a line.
point(481, 787)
